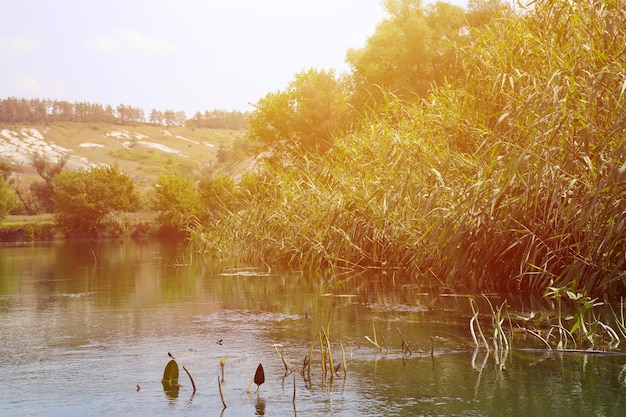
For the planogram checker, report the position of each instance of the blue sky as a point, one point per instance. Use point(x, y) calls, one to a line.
point(190, 55)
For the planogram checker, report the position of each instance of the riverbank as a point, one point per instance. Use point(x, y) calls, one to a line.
point(23, 228)
point(42, 227)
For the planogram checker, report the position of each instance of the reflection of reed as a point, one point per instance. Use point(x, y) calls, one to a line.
point(480, 370)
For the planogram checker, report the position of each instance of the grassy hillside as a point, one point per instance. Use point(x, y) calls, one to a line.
point(142, 151)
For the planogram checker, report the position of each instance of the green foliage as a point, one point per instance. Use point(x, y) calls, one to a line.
point(34, 231)
point(170, 374)
point(481, 12)
point(587, 330)
point(178, 201)
point(48, 172)
point(410, 51)
point(114, 223)
point(83, 199)
point(157, 160)
point(510, 177)
point(552, 86)
point(270, 121)
point(217, 193)
point(256, 186)
point(308, 113)
point(8, 199)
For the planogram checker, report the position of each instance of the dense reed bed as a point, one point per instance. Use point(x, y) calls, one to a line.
point(514, 177)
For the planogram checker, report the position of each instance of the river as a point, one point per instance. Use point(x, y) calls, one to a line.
point(86, 328)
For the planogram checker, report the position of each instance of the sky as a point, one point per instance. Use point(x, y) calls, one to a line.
point(181, 55)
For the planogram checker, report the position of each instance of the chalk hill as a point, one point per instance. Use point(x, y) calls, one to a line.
point(142, 151)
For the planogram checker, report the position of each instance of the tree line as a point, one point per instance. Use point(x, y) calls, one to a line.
point(41, 111)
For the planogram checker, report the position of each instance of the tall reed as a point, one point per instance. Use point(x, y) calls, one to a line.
point(512, 178)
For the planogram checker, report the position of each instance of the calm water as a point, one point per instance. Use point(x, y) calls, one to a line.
point(85, 329)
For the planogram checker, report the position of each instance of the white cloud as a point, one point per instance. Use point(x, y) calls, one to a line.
point(101, 43)
point(128, 42)
point(18, 45)
point(28, 87)
point(24, 46)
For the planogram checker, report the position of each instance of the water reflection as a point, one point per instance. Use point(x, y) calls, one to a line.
point(83, 324)
point(259, 406)
point(171, 391)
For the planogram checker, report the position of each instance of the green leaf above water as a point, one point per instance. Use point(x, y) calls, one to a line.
point(170, 375)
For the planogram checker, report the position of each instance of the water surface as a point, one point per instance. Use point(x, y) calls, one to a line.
point(85, 329)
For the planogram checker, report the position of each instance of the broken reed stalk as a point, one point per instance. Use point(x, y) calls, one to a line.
point(374, 328)
point(305, 364)
point(294, 391)
point(378, 348)
point(405, 346)
point(308, 365)
point(358, 346)
point(219, 385)
point(323, 357)
point(330, 354)
point(538, 336)
point(288, 367)
point(193, 384)
point(384, 341)
point(343, 358)
point(375, 341)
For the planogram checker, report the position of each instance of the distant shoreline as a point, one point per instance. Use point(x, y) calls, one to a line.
point(42, 228)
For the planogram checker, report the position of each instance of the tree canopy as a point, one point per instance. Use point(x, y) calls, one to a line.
point(411, 50)
point(82, 199)
point(8, 199)
point(177, 200)
point(308, 113)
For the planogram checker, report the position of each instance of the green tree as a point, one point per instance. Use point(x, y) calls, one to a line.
point(481, 12)
point(308, 113)
point(48, 171)
point(320, 108)
point(8, 200)
point(269, 123)
point(412, 49)
point(82, 199)
point(177, 201)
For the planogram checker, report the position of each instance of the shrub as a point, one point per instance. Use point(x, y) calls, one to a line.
point(83, 199)
point(8, 199)
point(177, 201)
